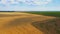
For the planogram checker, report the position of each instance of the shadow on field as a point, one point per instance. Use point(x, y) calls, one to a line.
point(6, 15)
point(18, 21)
point(48, 26)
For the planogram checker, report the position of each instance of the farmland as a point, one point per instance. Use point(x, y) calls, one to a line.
point(28, 23)
point(47, 13)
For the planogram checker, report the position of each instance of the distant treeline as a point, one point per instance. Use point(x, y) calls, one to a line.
point(7, 11)
point(29, 11)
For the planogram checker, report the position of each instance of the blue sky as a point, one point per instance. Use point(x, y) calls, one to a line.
point(45, 5)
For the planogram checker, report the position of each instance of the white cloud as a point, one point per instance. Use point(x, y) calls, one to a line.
point(3, 1)
point(36, 2)
point(41, 2)
point(27, 2)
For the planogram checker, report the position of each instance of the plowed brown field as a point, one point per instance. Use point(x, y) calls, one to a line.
point(21, 23)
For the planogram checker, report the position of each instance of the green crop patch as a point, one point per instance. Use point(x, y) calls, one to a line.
point(47, 13)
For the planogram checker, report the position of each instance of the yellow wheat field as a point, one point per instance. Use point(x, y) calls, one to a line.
point(20, 23)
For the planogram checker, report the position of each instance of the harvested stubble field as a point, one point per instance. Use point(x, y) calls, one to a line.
point(24, 23)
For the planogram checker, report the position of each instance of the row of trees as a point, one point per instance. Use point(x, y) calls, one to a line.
point(7, 11)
